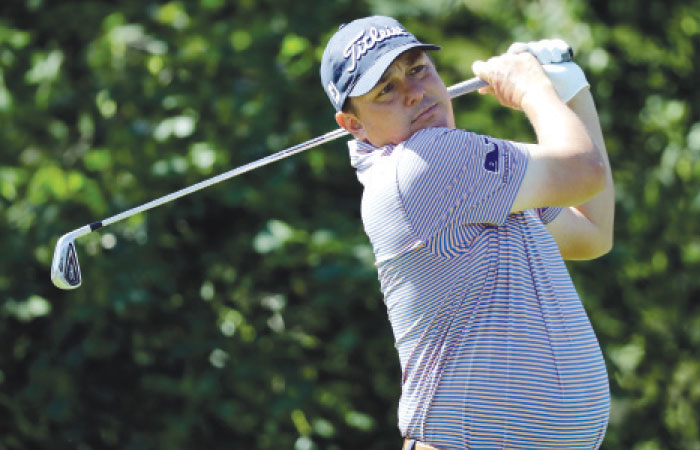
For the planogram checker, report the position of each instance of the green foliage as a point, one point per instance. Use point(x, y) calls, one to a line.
point(249, 315)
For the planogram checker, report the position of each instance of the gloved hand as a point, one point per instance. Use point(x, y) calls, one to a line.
point(567, 77)
point(547, 51)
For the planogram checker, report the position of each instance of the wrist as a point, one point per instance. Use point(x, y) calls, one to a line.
point(568, 79)
point(538, 96)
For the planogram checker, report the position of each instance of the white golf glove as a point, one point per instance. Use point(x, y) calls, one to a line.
point(567, 77)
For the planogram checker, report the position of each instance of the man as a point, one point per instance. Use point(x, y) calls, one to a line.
point(469, 234)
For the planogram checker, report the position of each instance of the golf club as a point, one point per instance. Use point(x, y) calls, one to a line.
point(65, 269)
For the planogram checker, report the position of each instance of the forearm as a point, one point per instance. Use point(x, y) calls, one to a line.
point(562, 132)
point(555, 124)
point(564, 138)
point(564, 167)
point(600, 210)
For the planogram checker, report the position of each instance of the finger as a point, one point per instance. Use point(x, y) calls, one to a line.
point(560, 45)
point(542, 52)
point(552, 52)
point(517, 47)
point(563, 48)
point(479, 69)
point(535, 48)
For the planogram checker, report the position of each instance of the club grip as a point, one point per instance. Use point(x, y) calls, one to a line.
point(476, 83)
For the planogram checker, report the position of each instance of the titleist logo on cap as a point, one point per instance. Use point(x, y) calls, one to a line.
point(360, 52)
point(366, 40)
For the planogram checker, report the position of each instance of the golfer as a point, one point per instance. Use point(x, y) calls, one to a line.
point(470, 234)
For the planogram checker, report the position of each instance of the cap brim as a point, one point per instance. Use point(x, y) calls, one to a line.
point(372, 76)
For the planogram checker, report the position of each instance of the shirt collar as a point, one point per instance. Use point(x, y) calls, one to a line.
point(363, 155)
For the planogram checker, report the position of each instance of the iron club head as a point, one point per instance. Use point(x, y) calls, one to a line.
point(65, 269)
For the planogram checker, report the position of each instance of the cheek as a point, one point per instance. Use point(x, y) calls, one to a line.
point(382, 121)
point(386, 124)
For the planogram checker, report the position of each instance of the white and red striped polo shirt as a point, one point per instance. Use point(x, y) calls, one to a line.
point(495, 346)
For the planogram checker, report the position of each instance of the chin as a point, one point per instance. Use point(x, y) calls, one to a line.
point(443, 119)
point(436, 123)
point(441, 123)
point(448, 120)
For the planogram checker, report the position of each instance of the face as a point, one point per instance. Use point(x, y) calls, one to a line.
point(409, 97)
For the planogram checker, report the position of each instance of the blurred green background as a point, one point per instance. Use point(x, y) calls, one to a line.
point(249, 315)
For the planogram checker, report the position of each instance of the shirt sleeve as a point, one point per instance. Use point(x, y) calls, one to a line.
point(548, 214)
point(447, 177)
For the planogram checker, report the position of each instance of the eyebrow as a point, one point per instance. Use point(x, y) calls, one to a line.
point(410, 56)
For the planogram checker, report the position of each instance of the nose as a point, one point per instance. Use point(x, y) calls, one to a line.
point(414, 92)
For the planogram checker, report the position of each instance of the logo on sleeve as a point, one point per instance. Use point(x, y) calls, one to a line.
point(491, 159)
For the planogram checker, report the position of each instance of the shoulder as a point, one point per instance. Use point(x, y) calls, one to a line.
point(432, 156)
point(442, 158)
point(442, 149)
point(436, 147)
point(441, 139)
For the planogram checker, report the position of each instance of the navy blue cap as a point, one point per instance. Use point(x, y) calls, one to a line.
point(359, 53)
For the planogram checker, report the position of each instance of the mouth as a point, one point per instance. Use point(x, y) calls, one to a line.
point(425, 113)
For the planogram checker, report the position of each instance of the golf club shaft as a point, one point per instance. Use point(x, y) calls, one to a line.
point(330, 136)
point(455, 91)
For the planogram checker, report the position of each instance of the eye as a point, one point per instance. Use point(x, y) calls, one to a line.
point(386, 89)
point(418, 69)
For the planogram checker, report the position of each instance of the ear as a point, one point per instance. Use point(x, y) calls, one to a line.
point(352, 124)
